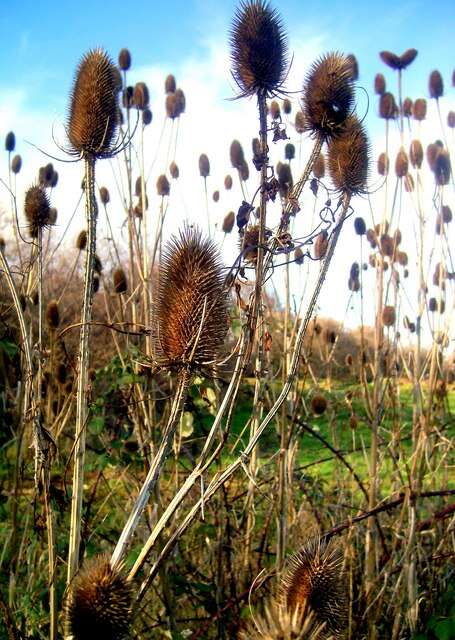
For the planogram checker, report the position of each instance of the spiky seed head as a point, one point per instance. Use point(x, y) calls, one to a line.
point(81, 240)
point(321, 244)
point(379, 84)
point(289, 151)
point(10, 141)
point(138, 186)
point(147, 117)
point(372, 238)
point(354, 66)
point(349, 158)
point(406, 108)
point(299, 122)
point(174, 170)
point(36, 208)
point(388, 109)
point(402, 258)
point(127, 97)
point(163, 187)
point(416, 154)
point(328, 95)
point(314, 578)
point(298, 256)
point(436, 85)
point(446, 214)
point(451, 119)
point(386, 245)
point(180, 101)
point(16, 164)
point(236, 154)
point(258, 49)
point(354, 271)
point(45, 175)
point(53, 216)
point(228, 182)
point(204, 165)
point(244, 171)
point(287, 106)
point(278, 623)
point(442, 169)
point(388, 316)
point(401, 163)
point(93, 112)
point(120, 281)
point(52, 315)
point(319, 167)
point(191, 313)
point(360, 226)
point(433, 150)
point(249, 243)
point(124, 59)
point(408, 57)
point(228, 222)
point(100, 604)
point(170, 84)
point(275, 111)
point(285, 181)
point(318, 405)
point(141, 96)
point(104, 195)
point(390, 59)
point(419, 109)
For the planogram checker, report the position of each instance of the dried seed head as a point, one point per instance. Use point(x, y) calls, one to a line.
point(100, 604)
point(204, 165)
point(354, 66)
point(433, 150)
point(52, 315)
point(446, 214)
point(383, 164)
point(354, 271)
point(10, 141)
point(172, 106)
point(285, 181)
point(93, 112)
point(278, 623)
point(379, 84)
point(147, 117)
point(451, 119)
point(258, 49)
point(388, 316)
point(191, 316)
point(45, 175)
point(170, 85)
point(360, 226)
point(216, 196)
point(386, 244)
point(81, 240)
point(36, 208)
point(406, 108)
point(174, 170)
point(419, 109)
point(127, 97)
point(319, 167)
point(163, 187)
point(442, 169)
point(244, 171)
point(228, 222)
point(401, 163)
point(16, 164)
point(287, 106)
point(228, 182)
point(141, 96)
point(275, 110)
point(298, 256)
point(314, 578)
point(318, 405)
point(120, 281)
point(354, 285)
point(348, 158)
point(390, 59)
point(53, 216)
point(328, 95)
point(416, 154)
point(407, 57)
point(289, 151)
point(402, 258)
point(236, 154)
point(372, 238)
point(321, 244)
point(388, 109)
point(299, 122)
point(124, 59)
point(432, 305)
point(436, 85)
point(180, 102)
point(104, 195)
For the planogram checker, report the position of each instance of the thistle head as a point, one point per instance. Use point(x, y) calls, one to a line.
point(349, 158)
point(37, 209)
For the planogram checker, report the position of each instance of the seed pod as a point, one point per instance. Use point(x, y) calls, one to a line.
point(174, 170)
point(433, 150)
point(379, 84)
point(354, 271)
point(170, 84)
point(299, 122)
point(81, 240)
point(180, 102)
point(386, 244)
point(406, 108)
point(16, 164)
point(45, 175)
point(104, 195)
point(216, 196)
point(100, 603)
point(383, 164)
point(390, 59)
point(124, 59)
point(236, 154)
point(446, 214)
point(120, 281)
point(388, 316)
point(319, 167)
point(407, 57)
point(285, 181)
point(401, 163)
point(275, 110)
point(318, 405)
point(244, 171)
point(360, 226)
point(442, 169)
point(10, 141)
point(451, 119)
point(436, 85)
point(191, 316)
point(416, 154)
point(52, 216)
point(204, 165)
point(354, 285)
point(348, 158)
point(172, 106)
point(258, 49)
point(387, 106)
point(354, 66)
point(321, 244)
point(163, 187)
point(141, 96)
point(93, 112)
point(147, 117)
point(36, 208)
point(52, 315)
point(298, 256)
point(432, 305)
point(228, 222)
point(328, 95)
point(289, 151)
point(287, 106)
point(228, 182)
point(127, 97)
point(419, 109)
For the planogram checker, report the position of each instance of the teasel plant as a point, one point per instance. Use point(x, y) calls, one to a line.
point(92, 131)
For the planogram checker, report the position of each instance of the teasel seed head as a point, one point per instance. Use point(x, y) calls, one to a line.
point(93, 112)
point(278, 622)
point(52, 315)
point(299, 122)
point(354, 285)
point(244, 171)
point(141, 96)
point(442, 169)
point(289, 151)
point(406, 108)
point(170, 84)
point(451, 119)
point(298, 256)
point(16, 164)
point(124, 59)
point(360, 226)
point(388, 109)
point(432, 305)
point(372, 238)
point(354, 66)
point(349, 158)
point(285, 181)
point(147, 117)
point(390, 59)
point(275, 111)
point(163, 187)
point(446, 214)
point(236, 154)
point(180, 101)
point(53, 216)
point(36, 208)
point(10, 141)
point(104, 195)
point(433, 150)
point(287, 106)
point(408, 57)
point(319, 167)
point(216, 196)
point(228, 182)
point(402, 258)
point(419, 109)
point(100, 604)
point(258, 49)
point(314, 579)
point(328, 95)
point(191, 312)
point(388, 316)
point(401, 163)
point(436, 85)
point(228, 222)
point(120, 281)
point(416, 154)
point(45, 175)
point(174, 170)
point(81, 240)
point(379, 84)
point(321, 244)
point(386, 245)
point(318, 405)
point(204, 165)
